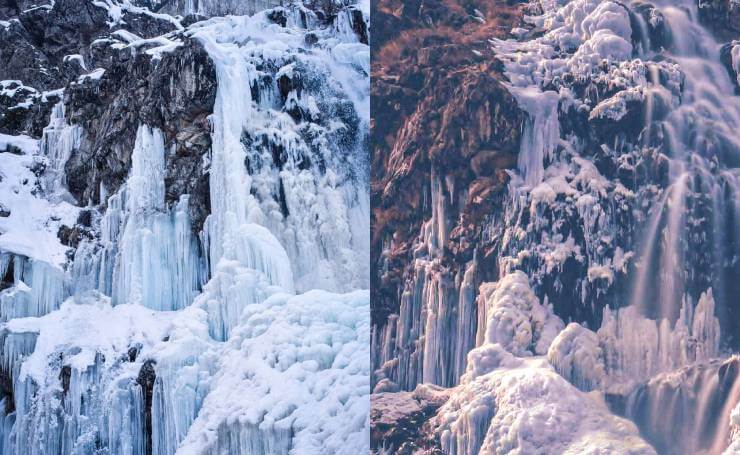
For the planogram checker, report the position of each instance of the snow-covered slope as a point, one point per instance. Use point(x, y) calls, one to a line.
point(184, 245)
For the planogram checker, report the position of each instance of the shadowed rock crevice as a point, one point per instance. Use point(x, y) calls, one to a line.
point(147, 377)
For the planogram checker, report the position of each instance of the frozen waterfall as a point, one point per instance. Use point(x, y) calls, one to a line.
point(141, 335)
point(613, 256)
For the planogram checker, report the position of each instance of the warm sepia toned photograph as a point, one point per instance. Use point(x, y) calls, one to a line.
point(382, 227)
point(555, 266)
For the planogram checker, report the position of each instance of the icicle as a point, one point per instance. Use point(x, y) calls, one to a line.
point(38, 288)
point(57, 143)
point(636, 348)
point(158, 262)
point(541, 132)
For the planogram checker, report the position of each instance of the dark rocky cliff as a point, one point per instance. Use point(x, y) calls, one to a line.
point(438, 107)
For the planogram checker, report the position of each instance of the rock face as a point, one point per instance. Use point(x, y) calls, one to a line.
point(438, 105)
point(49, 48)
point(400, 420)
point(175, 93)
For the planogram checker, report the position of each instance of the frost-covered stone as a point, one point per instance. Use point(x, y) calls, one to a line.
point(514, 317)
point(510, 410)
point(576, 355)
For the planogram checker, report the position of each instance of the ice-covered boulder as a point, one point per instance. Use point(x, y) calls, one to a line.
point(531, 409)
point(576, 355)
point(514, 316)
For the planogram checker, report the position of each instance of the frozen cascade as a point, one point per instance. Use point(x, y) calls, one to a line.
point(89, 388)
point(213, 7)
point(158, 263)
point(417, 345)
point(57, 143)
point(36, 288)
point(541, 132)
point(698, 188)
point(316, 214)
point(553, 168)
point(146, 252)
point(250, 266)
point(622, 215)
point(696, 144)
point(152, 335)
point(700, 134)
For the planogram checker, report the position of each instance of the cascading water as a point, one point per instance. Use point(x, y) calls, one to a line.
point(697, 400)
point(691, 243)
point(701, 141)
point(622, 213)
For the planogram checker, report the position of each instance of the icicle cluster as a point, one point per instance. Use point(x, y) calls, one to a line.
point(619, 225)
point(150, 338)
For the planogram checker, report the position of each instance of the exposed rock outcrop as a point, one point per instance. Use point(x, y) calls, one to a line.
point(438, 103)
point(398, 421)
point(175, 93)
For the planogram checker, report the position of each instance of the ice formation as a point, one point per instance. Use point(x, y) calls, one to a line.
point(507, 403)
point(612, 255)
point(514, 317)
point(157, 260)
point(250, 336)
point(577, 356)
point(531, 409)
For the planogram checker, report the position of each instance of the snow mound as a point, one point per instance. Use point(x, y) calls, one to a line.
point(531, 409)
point(85, 327)
point(293, 377)
point(576, 355)
point(515, 318)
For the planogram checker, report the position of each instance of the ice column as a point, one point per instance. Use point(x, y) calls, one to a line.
point(158, 264)
point(57, 143)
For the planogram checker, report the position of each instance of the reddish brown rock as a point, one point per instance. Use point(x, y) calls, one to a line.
point(439, 105)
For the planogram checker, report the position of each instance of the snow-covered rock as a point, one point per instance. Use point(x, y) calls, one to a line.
point(531, 409)
point(514, 317)
point(576, 355)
